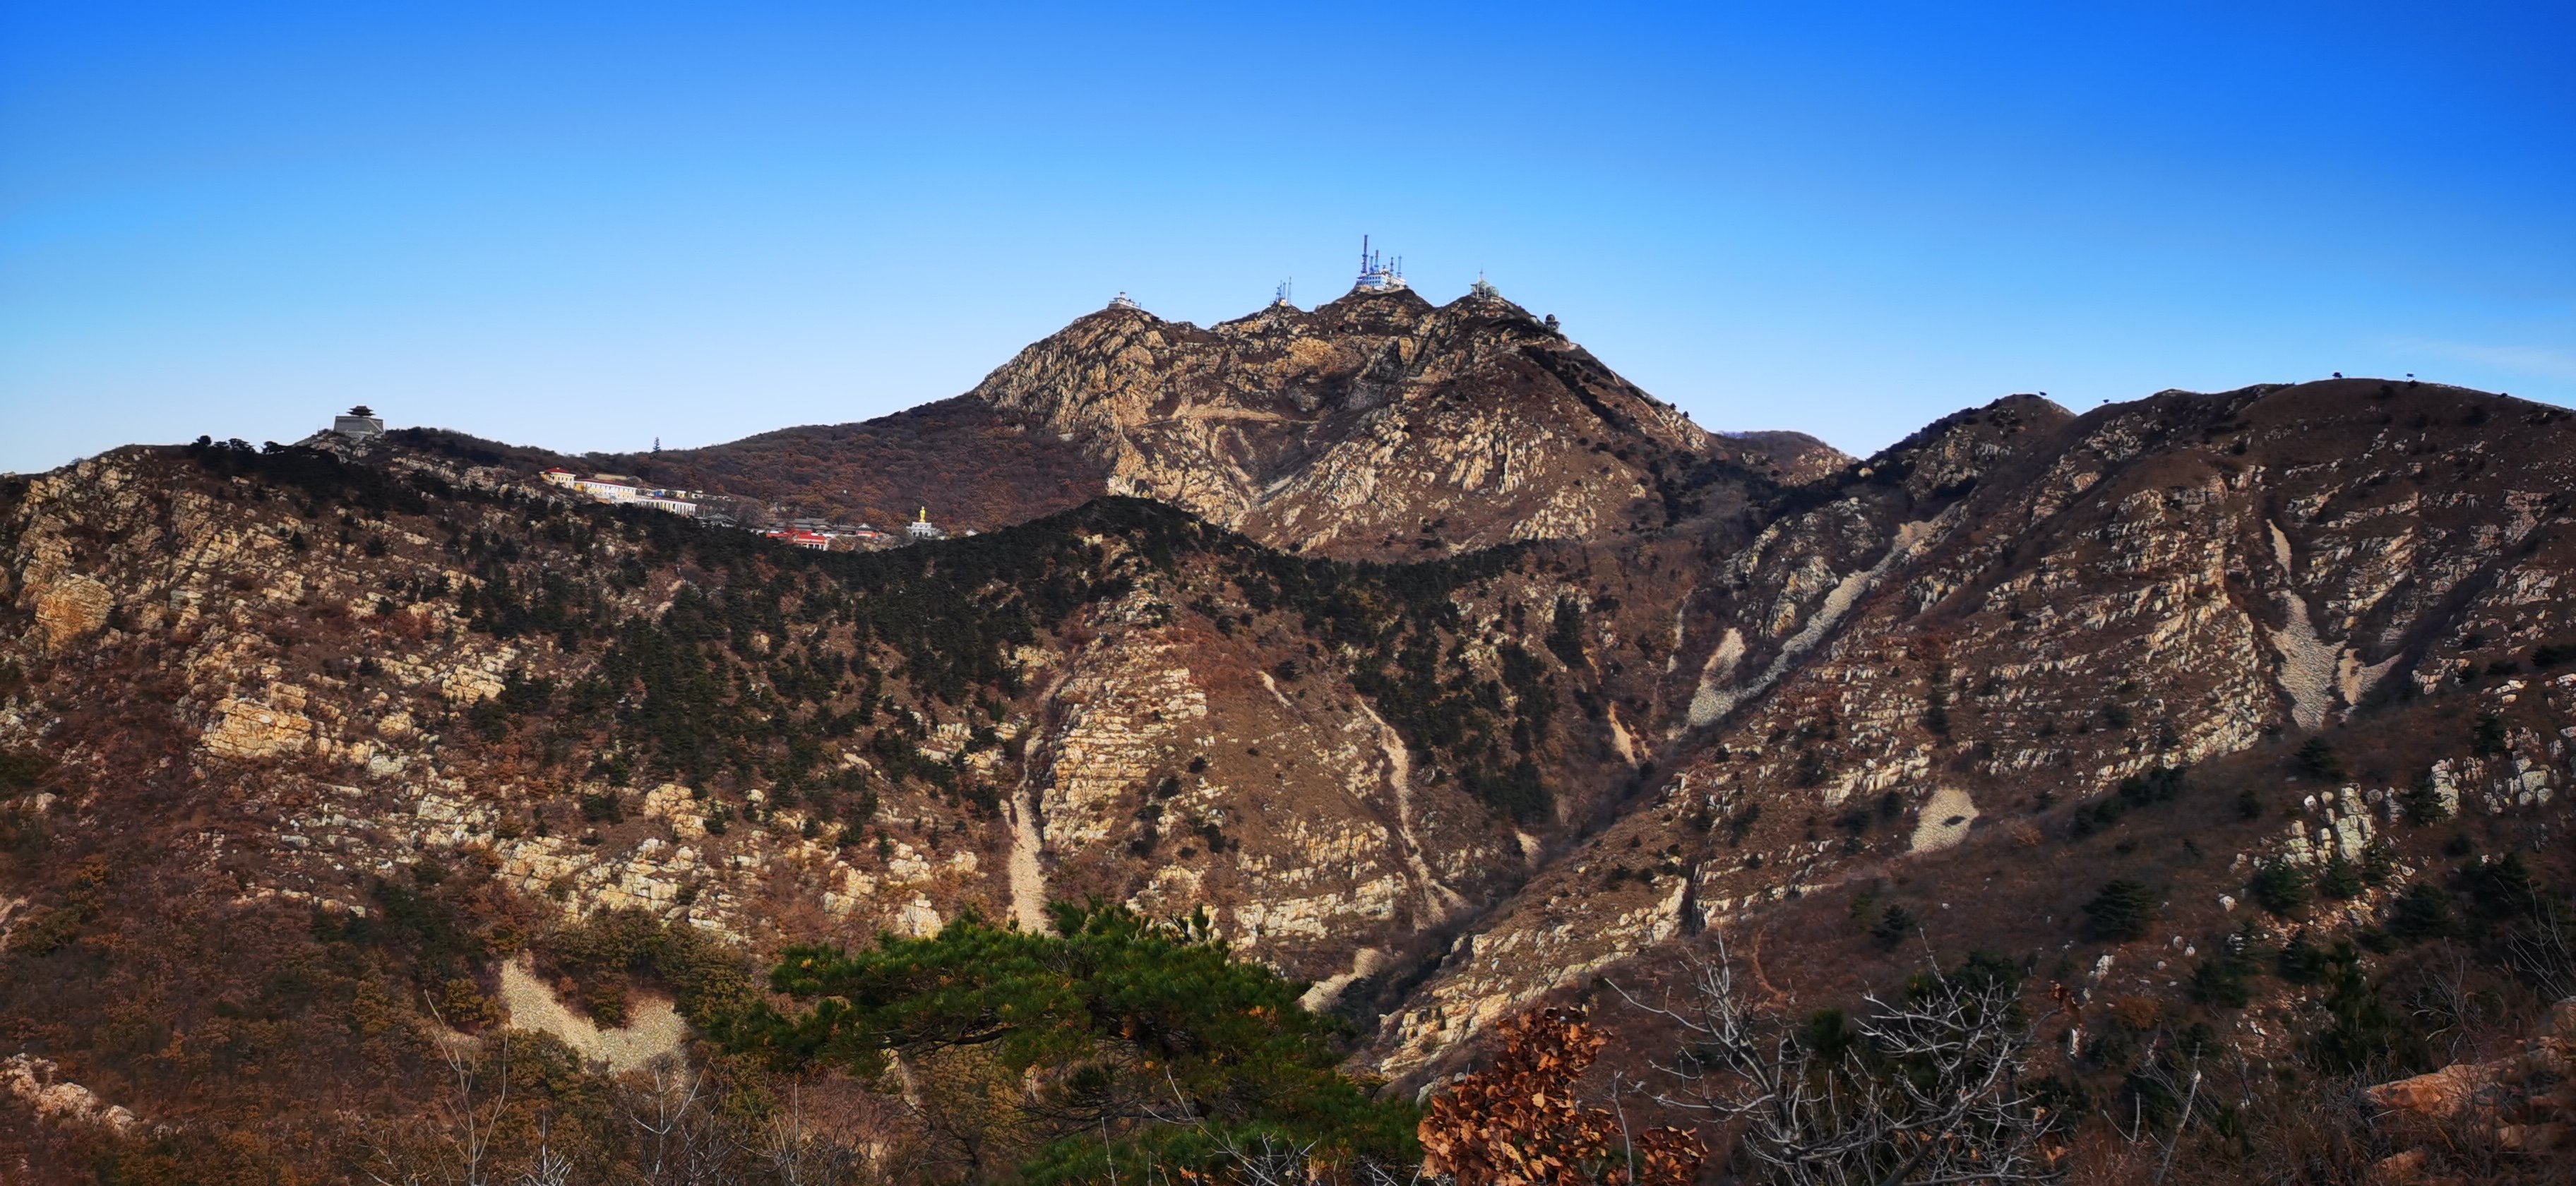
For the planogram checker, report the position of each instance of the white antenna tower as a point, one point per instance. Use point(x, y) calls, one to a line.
point(1377, 272)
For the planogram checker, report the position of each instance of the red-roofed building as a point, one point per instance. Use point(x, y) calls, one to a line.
point(803, 539)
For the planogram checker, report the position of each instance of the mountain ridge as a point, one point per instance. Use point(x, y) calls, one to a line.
point(1295, 426)
point(1725, 686)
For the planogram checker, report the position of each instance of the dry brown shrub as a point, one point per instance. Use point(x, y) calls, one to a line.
point(1517, 1123)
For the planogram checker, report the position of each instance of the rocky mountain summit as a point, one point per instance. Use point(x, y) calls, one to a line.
point(1373, 427)
point(1407, 649)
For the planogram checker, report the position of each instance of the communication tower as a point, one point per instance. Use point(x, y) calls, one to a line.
point(1378, 274)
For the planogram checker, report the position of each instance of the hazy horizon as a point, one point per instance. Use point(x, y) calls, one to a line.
point(590, 227)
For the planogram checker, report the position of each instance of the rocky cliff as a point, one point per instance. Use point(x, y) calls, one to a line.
point(1376, 426)
point(395, 721)
point(1943, 670)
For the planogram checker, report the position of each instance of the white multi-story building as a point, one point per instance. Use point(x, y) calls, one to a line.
point(621, 491)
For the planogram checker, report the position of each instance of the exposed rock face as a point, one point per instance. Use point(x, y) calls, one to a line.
point(32, 1082)
point(1688, 695)
point(251, 729)
point(2085, 599)
point(2522, 1102)
point(1176, 746)
point(652, 1029)
point(1801, 458)
point(1375, 425)
point(72, 609)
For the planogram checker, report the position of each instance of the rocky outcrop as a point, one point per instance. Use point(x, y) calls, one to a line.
point(2021, 608)
point(2522, 1103)
point(247, 729)
point(653, 1028)
point(72, 609)
point(36, 1083)
point(1375, 425)
point(1689, 693)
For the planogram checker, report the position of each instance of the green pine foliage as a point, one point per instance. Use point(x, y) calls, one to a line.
point(1894, 927)
point(1150, 1031)
point(2123, 910)
point(2488, 737)
point(608, 953)
point(21, 770)
point(2420, 912)
point(2162, 784)
point(2318, 759)
point(1936, 700)
point(945, 620)
point(318, 474)
point(767, 652)
point(2501, 889)
point(2422, 804)
point(2281, 888)
point(1565, 633)
point(2226, 977)
point(2362, 1030)
point(2301, 960)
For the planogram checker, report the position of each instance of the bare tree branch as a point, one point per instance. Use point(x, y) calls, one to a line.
point(1928, 1092)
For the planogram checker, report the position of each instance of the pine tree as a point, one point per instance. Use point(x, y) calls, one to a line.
point(2123, 910)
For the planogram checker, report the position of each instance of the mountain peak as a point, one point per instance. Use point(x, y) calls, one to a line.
point(1376, 425)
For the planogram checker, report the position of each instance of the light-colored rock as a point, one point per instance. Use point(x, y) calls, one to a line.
point(653, 1029)
point(246, 729)
point(32, 1082)
point(1945, 820)
point(72, 609)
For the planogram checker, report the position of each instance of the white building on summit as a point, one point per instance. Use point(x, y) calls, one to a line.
point(921, 528)
point(1378, 274)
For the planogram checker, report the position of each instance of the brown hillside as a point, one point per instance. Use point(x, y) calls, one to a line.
point(303, 752)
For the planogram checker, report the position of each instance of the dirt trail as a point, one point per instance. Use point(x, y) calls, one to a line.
point(1028, 877)
point(1028, 881)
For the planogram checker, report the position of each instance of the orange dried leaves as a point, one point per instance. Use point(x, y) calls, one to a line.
point(1517, 1123)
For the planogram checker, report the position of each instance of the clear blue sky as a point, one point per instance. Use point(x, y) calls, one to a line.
point(588, 226)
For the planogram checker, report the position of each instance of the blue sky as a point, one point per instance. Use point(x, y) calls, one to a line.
point(591, 226)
